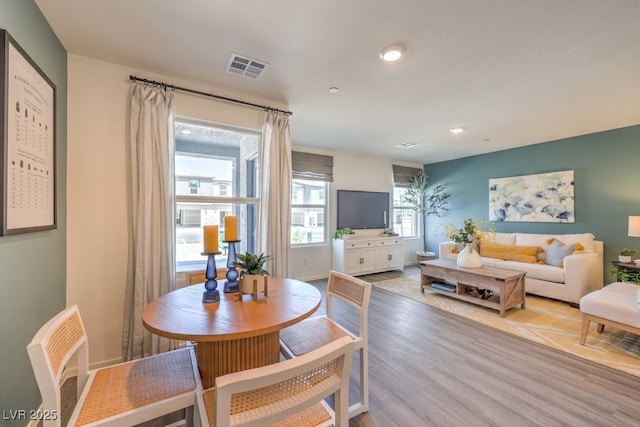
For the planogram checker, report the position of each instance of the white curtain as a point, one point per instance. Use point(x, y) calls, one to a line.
point(151, 215)
point(274, 214)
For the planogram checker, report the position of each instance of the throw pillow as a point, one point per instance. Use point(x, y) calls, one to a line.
point(557, 251)
point(520, 253)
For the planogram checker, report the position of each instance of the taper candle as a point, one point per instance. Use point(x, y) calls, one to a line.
point(230, 228)
point(210, 239)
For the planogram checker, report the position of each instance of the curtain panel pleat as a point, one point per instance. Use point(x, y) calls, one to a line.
point(402, 175)
point(151, 264)
point(314, 167)
point(273, 232)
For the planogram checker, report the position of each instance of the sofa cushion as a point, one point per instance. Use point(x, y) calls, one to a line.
point(489, 262)
point(492, 249)
point(556, 252)
point(544, 272)
point(529, 239)
point(585, 239)
point(505, 238)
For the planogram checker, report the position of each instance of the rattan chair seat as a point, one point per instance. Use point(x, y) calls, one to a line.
point(129, 386)
point(286, 394)
point(311, 334)
point(125, 394)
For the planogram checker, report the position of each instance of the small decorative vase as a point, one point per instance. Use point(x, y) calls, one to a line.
point(625, 259)
point(469, 257)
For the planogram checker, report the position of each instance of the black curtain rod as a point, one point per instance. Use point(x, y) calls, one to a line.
point(211, 95)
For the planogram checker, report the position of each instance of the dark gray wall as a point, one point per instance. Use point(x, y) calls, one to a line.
point(32, 266)
point(606, 169)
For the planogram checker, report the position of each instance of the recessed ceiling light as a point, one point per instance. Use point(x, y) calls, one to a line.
point(185, 132)
point(456, 130)
point(392, 53)
point(406, 145)
point(333, 89)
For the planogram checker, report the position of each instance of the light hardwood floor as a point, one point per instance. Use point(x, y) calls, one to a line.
point(428, 367)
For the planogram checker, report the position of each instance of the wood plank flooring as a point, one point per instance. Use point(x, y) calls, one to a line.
point(428, 367)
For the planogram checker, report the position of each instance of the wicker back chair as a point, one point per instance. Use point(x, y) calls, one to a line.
point(317, 331)
point(128, 393)
point(285, 394)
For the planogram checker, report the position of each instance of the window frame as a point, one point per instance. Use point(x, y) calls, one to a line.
point(324, 207)
point(251, 201)
point(401, 207)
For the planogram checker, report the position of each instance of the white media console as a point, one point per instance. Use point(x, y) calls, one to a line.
point(356, 256)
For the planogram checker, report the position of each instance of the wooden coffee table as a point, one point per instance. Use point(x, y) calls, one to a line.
point(507, 285)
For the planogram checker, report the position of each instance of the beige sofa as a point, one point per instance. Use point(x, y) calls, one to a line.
point(579, 273)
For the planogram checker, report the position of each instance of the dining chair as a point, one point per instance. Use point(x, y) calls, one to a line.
point(124, 394)
point(285, 394)
point(195, 277)
point(317, 331)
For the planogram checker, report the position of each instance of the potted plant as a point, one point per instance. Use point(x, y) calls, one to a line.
point(466, 238)
point(389, 232)
point(625, 255)
point(424, 202)
point(253, 276)
point(342, 233)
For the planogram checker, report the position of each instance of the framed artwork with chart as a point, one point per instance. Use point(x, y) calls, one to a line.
point(27, 158)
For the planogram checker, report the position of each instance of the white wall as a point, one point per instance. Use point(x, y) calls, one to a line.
point(97, 243)
point(350, 172)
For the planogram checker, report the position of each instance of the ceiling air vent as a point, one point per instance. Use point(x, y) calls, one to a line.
point(406, 145)
point(245, 66)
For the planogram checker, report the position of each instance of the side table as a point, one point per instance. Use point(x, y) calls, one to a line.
point(626, 271)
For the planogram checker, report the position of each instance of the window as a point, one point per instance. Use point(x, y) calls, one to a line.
point(194, 186)
point(308, 211)
point(405, 219)
point(216, 169)
point(312, 174)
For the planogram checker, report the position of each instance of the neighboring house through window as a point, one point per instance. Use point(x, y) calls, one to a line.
point(312, 174)
point(216, 170)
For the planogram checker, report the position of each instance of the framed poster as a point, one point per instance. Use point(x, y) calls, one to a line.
point(544, 197)
point(27, 158)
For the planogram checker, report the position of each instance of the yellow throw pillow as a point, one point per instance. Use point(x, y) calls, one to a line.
point(509, 252)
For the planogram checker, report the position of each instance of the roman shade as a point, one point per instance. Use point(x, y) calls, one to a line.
point(314, 167)
point(402, 175)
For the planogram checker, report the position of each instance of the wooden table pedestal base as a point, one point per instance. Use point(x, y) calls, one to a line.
point(216, 358)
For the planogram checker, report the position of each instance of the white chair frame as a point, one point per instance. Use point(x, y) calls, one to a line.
point(299, 384)
point(64, 336)
point(356, 293)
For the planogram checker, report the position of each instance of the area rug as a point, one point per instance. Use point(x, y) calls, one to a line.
point(545, 321)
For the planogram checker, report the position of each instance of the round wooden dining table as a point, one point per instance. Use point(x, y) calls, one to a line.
point(232, 335)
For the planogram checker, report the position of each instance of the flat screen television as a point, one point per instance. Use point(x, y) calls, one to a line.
point(362, 209)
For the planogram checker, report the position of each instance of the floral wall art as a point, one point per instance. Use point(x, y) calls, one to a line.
point(545, 197)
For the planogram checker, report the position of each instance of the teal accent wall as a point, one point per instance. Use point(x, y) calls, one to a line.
point(33, 265)
point(606, 169)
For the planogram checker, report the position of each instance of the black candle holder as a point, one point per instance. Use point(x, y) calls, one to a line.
point(232, 284)
point(211, 294)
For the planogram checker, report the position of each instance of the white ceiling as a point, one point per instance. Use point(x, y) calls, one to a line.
point(511, 72)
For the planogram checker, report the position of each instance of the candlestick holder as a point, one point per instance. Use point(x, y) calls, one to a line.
point(211, 294)
point(231, 285)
